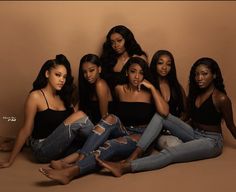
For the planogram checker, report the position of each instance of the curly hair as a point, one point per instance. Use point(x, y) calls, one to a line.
point(86, 90)
point(109, 56)
point(218, 81)
point(174, 84)
point(41, 81)
point(144, 66)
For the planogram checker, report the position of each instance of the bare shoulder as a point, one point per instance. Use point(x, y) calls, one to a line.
point(101, 83)
point(220, 98)
point(35, 97)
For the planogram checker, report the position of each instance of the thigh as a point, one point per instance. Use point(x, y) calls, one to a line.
point(178, 128)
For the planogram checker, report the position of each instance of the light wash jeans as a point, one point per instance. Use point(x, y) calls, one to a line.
point(61, 140)
point(197, 144)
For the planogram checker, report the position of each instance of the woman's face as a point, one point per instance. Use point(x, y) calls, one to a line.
point(135, 74)
point(91, 72)
point(203, 76)
point(117, 43)
point(163, 65)
point(57, 76)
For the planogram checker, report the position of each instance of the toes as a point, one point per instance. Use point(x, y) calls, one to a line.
point(43, 171)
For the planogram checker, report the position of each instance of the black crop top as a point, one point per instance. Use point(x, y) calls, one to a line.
point(93, 111)
point(45, 122)
point(134, 113)
point(206, 114)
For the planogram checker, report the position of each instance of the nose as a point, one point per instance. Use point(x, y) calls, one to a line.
point(199, 77)
point(136, 75)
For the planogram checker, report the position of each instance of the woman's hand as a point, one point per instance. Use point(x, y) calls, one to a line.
point(146, 84)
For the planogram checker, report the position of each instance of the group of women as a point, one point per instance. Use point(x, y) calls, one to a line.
point(125, 109)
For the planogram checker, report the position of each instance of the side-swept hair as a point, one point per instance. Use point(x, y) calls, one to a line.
point(142, 63)
point(109, 56)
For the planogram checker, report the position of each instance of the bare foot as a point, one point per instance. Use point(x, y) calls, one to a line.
point(59, 164)
point(65, 162)
point(116, 168)
point(63, 176)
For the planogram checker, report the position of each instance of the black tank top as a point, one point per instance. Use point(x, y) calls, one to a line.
point(47, 121)
point(134, 113)
point(206, 114)
point(93, 111)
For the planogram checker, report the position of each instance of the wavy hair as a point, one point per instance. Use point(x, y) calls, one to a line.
point(218, 81)
point(41, 81)
point(109, 56)
point(86, 90)
point(171, 77)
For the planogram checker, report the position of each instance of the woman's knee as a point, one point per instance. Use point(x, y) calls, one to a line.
point(110, 119)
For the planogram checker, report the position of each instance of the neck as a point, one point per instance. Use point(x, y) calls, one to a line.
point(50, 90)
point(131, 88)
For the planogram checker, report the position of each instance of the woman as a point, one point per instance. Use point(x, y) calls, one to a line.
point(163, 70)
point(50, 119)
point(134, 95)
point(119, 46)
point(202, 139)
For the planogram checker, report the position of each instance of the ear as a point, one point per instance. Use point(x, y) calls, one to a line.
point(47, 74)
point(126, 73)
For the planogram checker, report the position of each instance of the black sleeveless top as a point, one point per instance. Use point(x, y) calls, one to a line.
point(206, 114)
point(93, 111)
point(47, 121)
point(134, 113)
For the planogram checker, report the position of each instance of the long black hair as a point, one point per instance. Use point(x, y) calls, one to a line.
point(175, 87)
point(194, 89)
point(86, 90)
point(109, 56)
point(41, 81)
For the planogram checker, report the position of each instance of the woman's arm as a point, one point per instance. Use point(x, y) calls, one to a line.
point(103, 95)
point(162, 106)
point(25, 131)
point(225, 107)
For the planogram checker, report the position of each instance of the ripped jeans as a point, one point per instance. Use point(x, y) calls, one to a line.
point(63, 139)
point(119, 146)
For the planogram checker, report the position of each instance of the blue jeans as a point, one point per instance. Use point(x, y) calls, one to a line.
point(120, 144)
point(197, 145)
point(57, 144)
point(96, 138)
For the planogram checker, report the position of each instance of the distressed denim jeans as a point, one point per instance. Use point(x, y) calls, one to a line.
point(55, 146)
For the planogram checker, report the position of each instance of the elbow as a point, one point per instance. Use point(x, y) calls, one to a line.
point(165, 112)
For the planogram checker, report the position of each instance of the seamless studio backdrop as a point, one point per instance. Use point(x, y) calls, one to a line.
point(33, 32)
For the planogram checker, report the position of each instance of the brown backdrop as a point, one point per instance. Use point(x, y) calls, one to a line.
point(32, 32)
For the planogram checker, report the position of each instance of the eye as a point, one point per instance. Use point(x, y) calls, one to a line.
point(160, 62)
point(141, 72)
point(58, 74)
